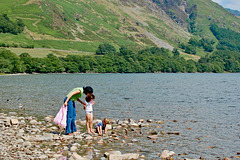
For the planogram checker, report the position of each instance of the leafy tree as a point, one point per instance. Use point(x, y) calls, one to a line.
point(193, 42)
point(191, 66)
point(125, 51)
point(175, 52)
point(207, 47)
point(190, 49)
point(71, 67)
point(105, 48)
point(13, 63)
point(182, 46)
point(5, 65)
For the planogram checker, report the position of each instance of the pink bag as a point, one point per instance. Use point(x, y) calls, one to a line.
point(61, 117)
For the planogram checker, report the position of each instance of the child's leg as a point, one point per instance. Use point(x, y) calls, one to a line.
point(87, 123)
point(91, 123)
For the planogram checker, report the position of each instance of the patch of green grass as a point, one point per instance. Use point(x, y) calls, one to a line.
point(29, 23)
point(68, 45)
point(65, 53)
point(18, 39)
point(188, 56)
point(40, 53)
point(201, 52)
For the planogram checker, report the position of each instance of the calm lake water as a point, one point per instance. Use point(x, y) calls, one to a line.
point(206, 106)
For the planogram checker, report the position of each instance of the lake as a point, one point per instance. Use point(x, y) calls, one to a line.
point(205, 105)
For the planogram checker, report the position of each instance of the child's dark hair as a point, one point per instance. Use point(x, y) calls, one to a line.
point(89, 97)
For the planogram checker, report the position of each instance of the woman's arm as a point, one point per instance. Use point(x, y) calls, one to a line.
point(73, 93)
point(81, 101)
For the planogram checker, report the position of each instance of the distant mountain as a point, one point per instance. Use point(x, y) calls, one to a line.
point(84, 24)
point(235, 12)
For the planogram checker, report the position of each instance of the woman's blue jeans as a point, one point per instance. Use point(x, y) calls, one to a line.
point(71, 117)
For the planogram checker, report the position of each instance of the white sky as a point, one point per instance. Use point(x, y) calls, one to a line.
point(232, 4)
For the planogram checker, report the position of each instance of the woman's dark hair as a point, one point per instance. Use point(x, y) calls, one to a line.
point(87, 89)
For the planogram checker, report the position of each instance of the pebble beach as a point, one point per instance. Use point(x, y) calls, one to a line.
point(28, 137)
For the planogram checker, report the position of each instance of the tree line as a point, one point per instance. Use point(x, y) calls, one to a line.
point(148, 60)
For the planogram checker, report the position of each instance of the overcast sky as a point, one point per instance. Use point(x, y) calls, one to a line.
point(232, 4)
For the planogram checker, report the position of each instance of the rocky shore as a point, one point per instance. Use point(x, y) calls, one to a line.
point(26, 137)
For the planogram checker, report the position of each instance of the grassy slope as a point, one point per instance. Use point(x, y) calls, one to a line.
point(53, 24)
point(83, 25)
point(210, 12)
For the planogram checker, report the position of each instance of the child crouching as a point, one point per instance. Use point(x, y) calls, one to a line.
point(100, 126)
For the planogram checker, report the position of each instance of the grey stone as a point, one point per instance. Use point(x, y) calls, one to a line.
point(12, 113)
point(43, 156)
point(174, 132)
point(74, 148)
point(20, 141)
point(115, 157)
point(76, 156)
point(28, 152)
point(132, 124)
point(22, 122)
point(167, 154)
point(106, 154)
point(48, 119)
point(89, 138)
point(130, 156)
point(33, 122)
point(134, 140)
point(153, 132)
point(57, 156)
point(79, 137)
point(154, 137)
point(150, 120)
point(14, 121)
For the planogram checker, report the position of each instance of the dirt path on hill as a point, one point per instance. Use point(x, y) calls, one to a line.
point(60, 50)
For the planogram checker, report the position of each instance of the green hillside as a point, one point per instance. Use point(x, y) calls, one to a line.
point(80, 25)
point(210, 12)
